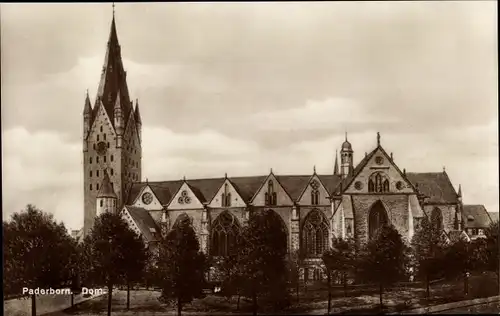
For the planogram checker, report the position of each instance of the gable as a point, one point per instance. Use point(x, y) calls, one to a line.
point(314, 184)
point(435, 185)
point(379, 163)
point(147, 199)
point(185, 198)
point(131, 134)
point(227, 188)
point(282, 197)
point(101, 120)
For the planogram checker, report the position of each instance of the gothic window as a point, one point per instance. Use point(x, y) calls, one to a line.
point(97, 173)
point(100, 203)
point(90, 173)
point(225, 232)
point(101, 131)
point(314, 197)
point(104, 136)
point(386, 185)
point(97, 188)
point(378, 183)
point(90, 160)
point(108, 144)
point(97, 137)
point(97, 159)
point(371, 186)
point(315, 234)
point(228, 199)
point(91, 187)
point(112, 171)
point(112, 157)
point(270, 196)
point(376, 218)
point(93, 145)
point(104, 158)
point(437, 219)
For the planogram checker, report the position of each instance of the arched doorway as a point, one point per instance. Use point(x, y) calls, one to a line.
point(376, 218)
point(277, 226)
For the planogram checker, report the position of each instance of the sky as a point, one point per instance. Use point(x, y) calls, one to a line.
point(245, 87)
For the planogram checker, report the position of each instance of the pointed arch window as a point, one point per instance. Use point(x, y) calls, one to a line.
point(226, 196)
point(225, 233)
point(101, 132)
point(315, 234)
point(97, 159)
point(378, 183)
point(97, 137)
point(97, 188)
point(90, 160)
point(91, 187)
point(112, 157)
point(270, 195)
point(437, 219)
point(100, 203)
point(104, 135)
point(314, 197)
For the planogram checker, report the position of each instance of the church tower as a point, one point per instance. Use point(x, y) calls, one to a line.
point(112, 149)
point(346, 163)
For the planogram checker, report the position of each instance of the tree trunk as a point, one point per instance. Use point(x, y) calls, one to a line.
point(238, 303)
point(381, 288)
point(466, 285)
point(128, 295)
point(297, 289)
point(33, 305)
point(345, 284)
point(254, 307)
point(110, 294)
point(329, 292)
point(179, 306)
point(427, 284)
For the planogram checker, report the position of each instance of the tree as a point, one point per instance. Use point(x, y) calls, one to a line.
point(36, 252)
point(263, 259)
point(459, 261)
point(108, 249)
point(137, 257)
point(384, 259)
point(428, 251)
point(340, 260)
point(182, 266)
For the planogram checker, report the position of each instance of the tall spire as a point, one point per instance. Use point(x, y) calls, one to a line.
point(113, 79)
point(336, 166)
point(137, 114)
point(459, 190)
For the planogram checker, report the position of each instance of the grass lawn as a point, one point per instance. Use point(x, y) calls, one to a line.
point(311, 302)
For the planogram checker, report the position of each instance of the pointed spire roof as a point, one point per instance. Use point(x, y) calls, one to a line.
point(106, 188)
point(137, 114)
point(336, 166)
point(87, 109)
point(113, 81)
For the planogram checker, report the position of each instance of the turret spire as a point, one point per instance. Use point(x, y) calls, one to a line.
point(459, 190)
point(336, 166)
point(87, 108)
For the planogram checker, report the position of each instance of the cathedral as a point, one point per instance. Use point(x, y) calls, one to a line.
point(353, 201)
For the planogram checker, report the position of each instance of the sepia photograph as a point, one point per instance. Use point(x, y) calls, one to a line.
point(250, 158)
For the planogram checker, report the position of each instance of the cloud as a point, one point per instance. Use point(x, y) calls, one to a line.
point(318, 115)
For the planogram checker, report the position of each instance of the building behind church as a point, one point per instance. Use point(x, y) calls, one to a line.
point(353, 201)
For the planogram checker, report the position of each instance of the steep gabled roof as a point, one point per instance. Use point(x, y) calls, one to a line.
point(435, 185)
point(247, 186)
point(476, 216)
point(294, 185)
point(330, 182)
point(494, 216)
point(205, 189)
point(163, 190)
point(148, 227)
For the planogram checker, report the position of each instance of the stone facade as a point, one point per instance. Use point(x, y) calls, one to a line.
point(345, 199)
